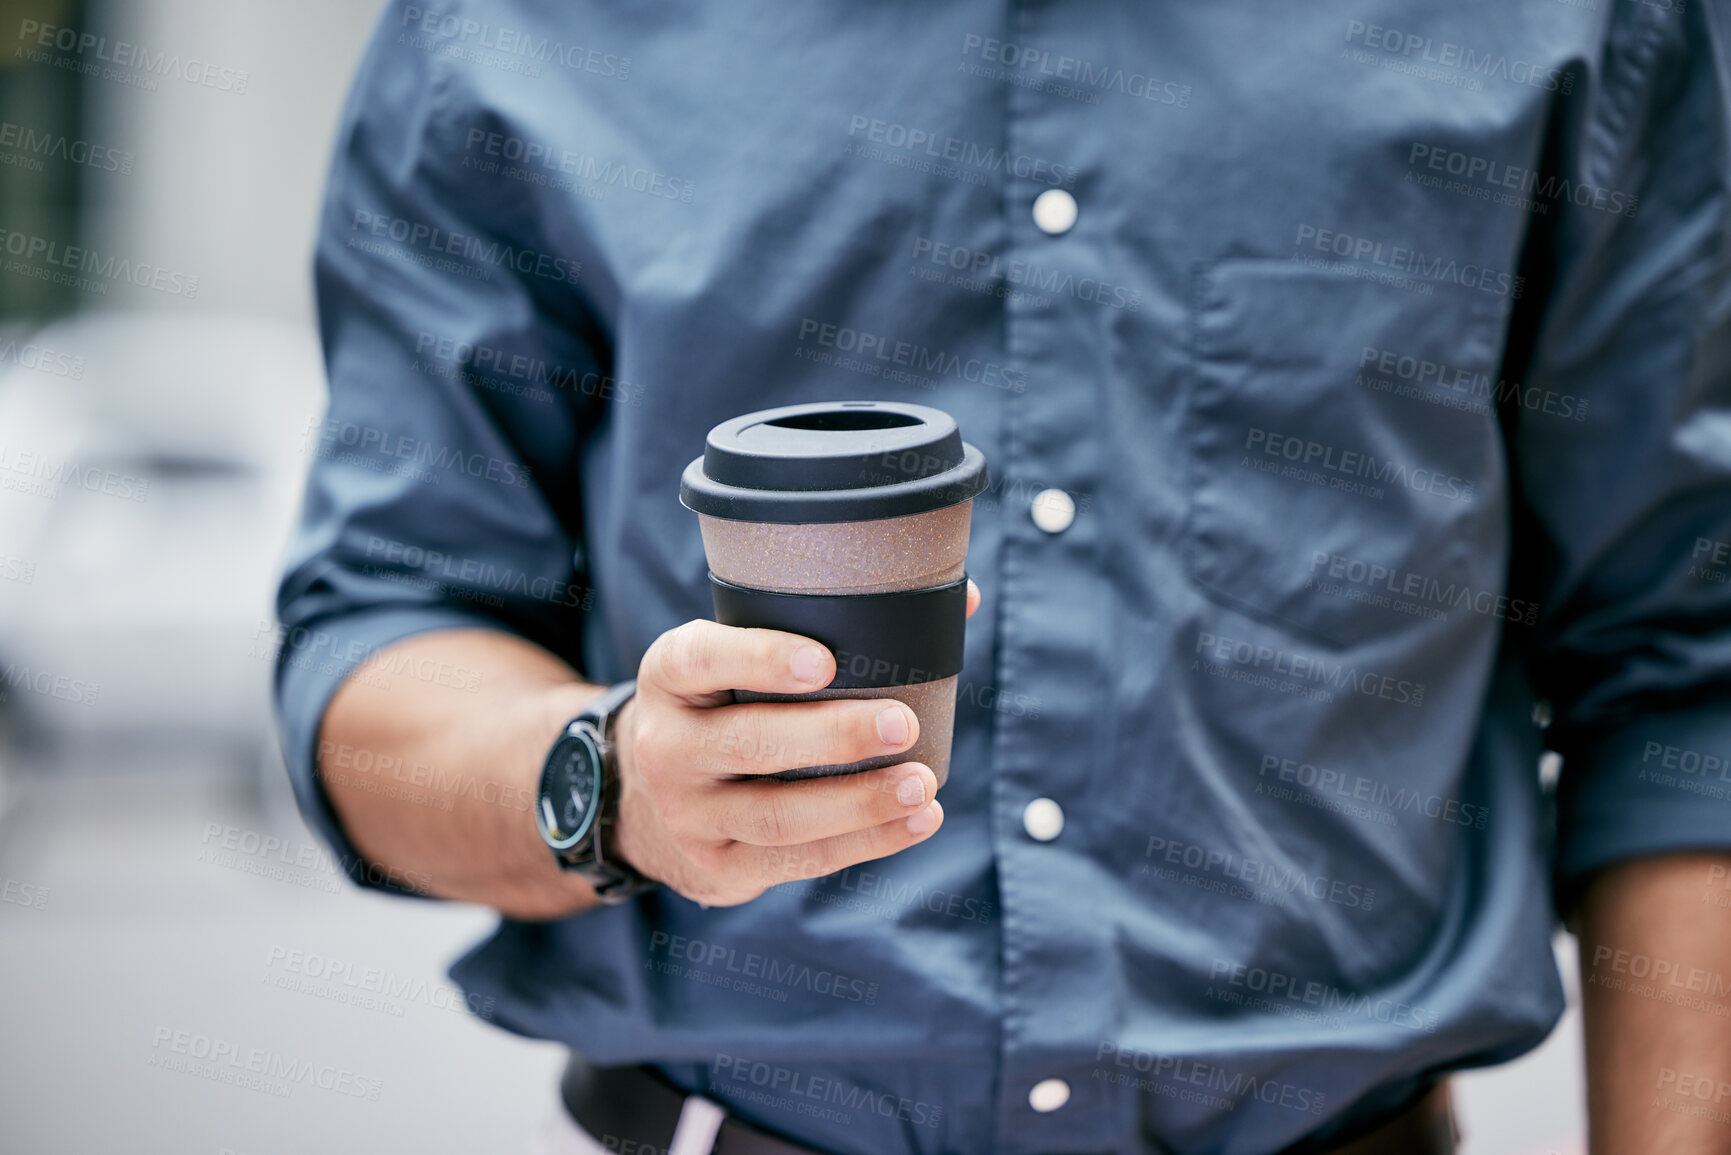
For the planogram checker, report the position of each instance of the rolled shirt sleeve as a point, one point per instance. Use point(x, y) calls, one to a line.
point(442, 490)
point(1625, 509)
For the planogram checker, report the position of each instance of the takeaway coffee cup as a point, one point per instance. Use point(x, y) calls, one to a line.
point(847, 522)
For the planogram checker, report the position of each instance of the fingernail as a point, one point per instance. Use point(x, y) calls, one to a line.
point(892, 726)
point(808, 664)
point(911, 791)
point(925, 821)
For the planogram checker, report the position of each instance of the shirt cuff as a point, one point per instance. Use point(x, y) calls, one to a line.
point(315, 659)
point(1659, 786)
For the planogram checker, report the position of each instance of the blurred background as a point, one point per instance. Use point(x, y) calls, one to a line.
point(154, 420)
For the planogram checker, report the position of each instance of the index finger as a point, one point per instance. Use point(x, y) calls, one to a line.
point(701, 659)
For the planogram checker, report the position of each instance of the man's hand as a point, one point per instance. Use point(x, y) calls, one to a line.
point(696, 812)
point(437, 782)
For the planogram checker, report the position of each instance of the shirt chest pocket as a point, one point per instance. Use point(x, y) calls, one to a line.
point(1345, 467)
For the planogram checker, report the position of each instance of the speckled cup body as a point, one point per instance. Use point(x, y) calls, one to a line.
point(854, 557)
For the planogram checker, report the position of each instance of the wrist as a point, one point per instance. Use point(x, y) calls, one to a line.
point(579, 794)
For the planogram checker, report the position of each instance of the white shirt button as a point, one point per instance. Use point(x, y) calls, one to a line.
point(1048, 1095)
point(1055, 211)
point(1043, 819)
point(1053, 510)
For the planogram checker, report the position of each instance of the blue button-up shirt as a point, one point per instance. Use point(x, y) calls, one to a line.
point(1384, 365)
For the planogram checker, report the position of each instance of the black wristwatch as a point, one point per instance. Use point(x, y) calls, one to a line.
point(579, 799)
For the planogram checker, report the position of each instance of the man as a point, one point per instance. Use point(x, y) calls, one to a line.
point(1354, 383)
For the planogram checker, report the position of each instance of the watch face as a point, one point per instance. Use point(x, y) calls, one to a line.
point(570, 790)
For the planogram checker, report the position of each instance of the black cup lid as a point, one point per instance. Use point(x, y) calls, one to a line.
point(833, 461)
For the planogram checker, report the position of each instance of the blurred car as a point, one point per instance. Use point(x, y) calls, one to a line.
point(150, 469)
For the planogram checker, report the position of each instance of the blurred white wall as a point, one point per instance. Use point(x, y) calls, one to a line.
point(203, 397)
point(227, 184)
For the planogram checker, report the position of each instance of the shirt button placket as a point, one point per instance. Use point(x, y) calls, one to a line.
point(1054, 634)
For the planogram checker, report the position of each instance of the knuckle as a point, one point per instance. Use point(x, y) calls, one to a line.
point(783, 864)
point(842, 732)
point(649, 750)
point(744, 735)
point(680, 814)
point(769, 821)
point(731, 893)
point(882, 839)
point(710, 859)
point(685, 654)
point(874, 842)
point(834, 735)
point(671, 809)
point(817, 861)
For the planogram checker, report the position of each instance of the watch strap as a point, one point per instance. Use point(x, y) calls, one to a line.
point(602, 709)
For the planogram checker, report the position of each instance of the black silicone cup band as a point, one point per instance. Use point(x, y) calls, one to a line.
point(891, 639)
